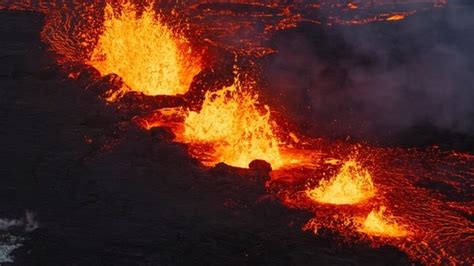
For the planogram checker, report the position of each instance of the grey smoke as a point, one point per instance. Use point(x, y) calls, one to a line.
point(9, 241)
point(28, 223)
point(379, 79)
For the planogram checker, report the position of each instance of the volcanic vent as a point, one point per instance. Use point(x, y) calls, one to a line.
point(208, 124)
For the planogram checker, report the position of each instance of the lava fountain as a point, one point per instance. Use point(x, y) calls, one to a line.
point(148, 55)
point(429, 195)
point(351, 185)
point(236, 124)
point(379, 223)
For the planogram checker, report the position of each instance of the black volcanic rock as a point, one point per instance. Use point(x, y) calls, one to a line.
point(106, 85)
point(146, 103)
point(48, 72)
point(212, 78)
point(84, 75)
point(260, 171)
point(260, 167)
point(162, 134)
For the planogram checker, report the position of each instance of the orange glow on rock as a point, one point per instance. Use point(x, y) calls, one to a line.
point(149, 56)
point(351, 185)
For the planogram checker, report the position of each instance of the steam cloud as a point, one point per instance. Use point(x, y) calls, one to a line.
point(9, 241)
point(28, 223)
point(377, 80)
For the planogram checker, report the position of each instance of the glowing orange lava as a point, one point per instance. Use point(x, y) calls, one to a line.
point(351, 185)
point(427, 192)
point(379, 223)
point(352, 5)
point(146, 53)
point(232, 120)
point(396, 17)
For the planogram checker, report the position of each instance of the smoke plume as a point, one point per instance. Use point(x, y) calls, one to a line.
point(377, 80)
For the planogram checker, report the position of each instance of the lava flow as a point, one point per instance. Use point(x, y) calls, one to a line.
point(382, 196)
point(405, 211)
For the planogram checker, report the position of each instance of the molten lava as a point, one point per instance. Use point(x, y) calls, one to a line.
point(146, 53)
point(396, 17)
point(239, 129)
point(430, 204)
point(378, 223)
point(351, 185)
point(429, 193)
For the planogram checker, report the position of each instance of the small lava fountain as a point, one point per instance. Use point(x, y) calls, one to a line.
point(351, 185)
point(236, 124)
point(379, 223)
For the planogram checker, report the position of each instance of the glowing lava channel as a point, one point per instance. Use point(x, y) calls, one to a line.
point(351, 185)
point(239, 130)
point(148, 55)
